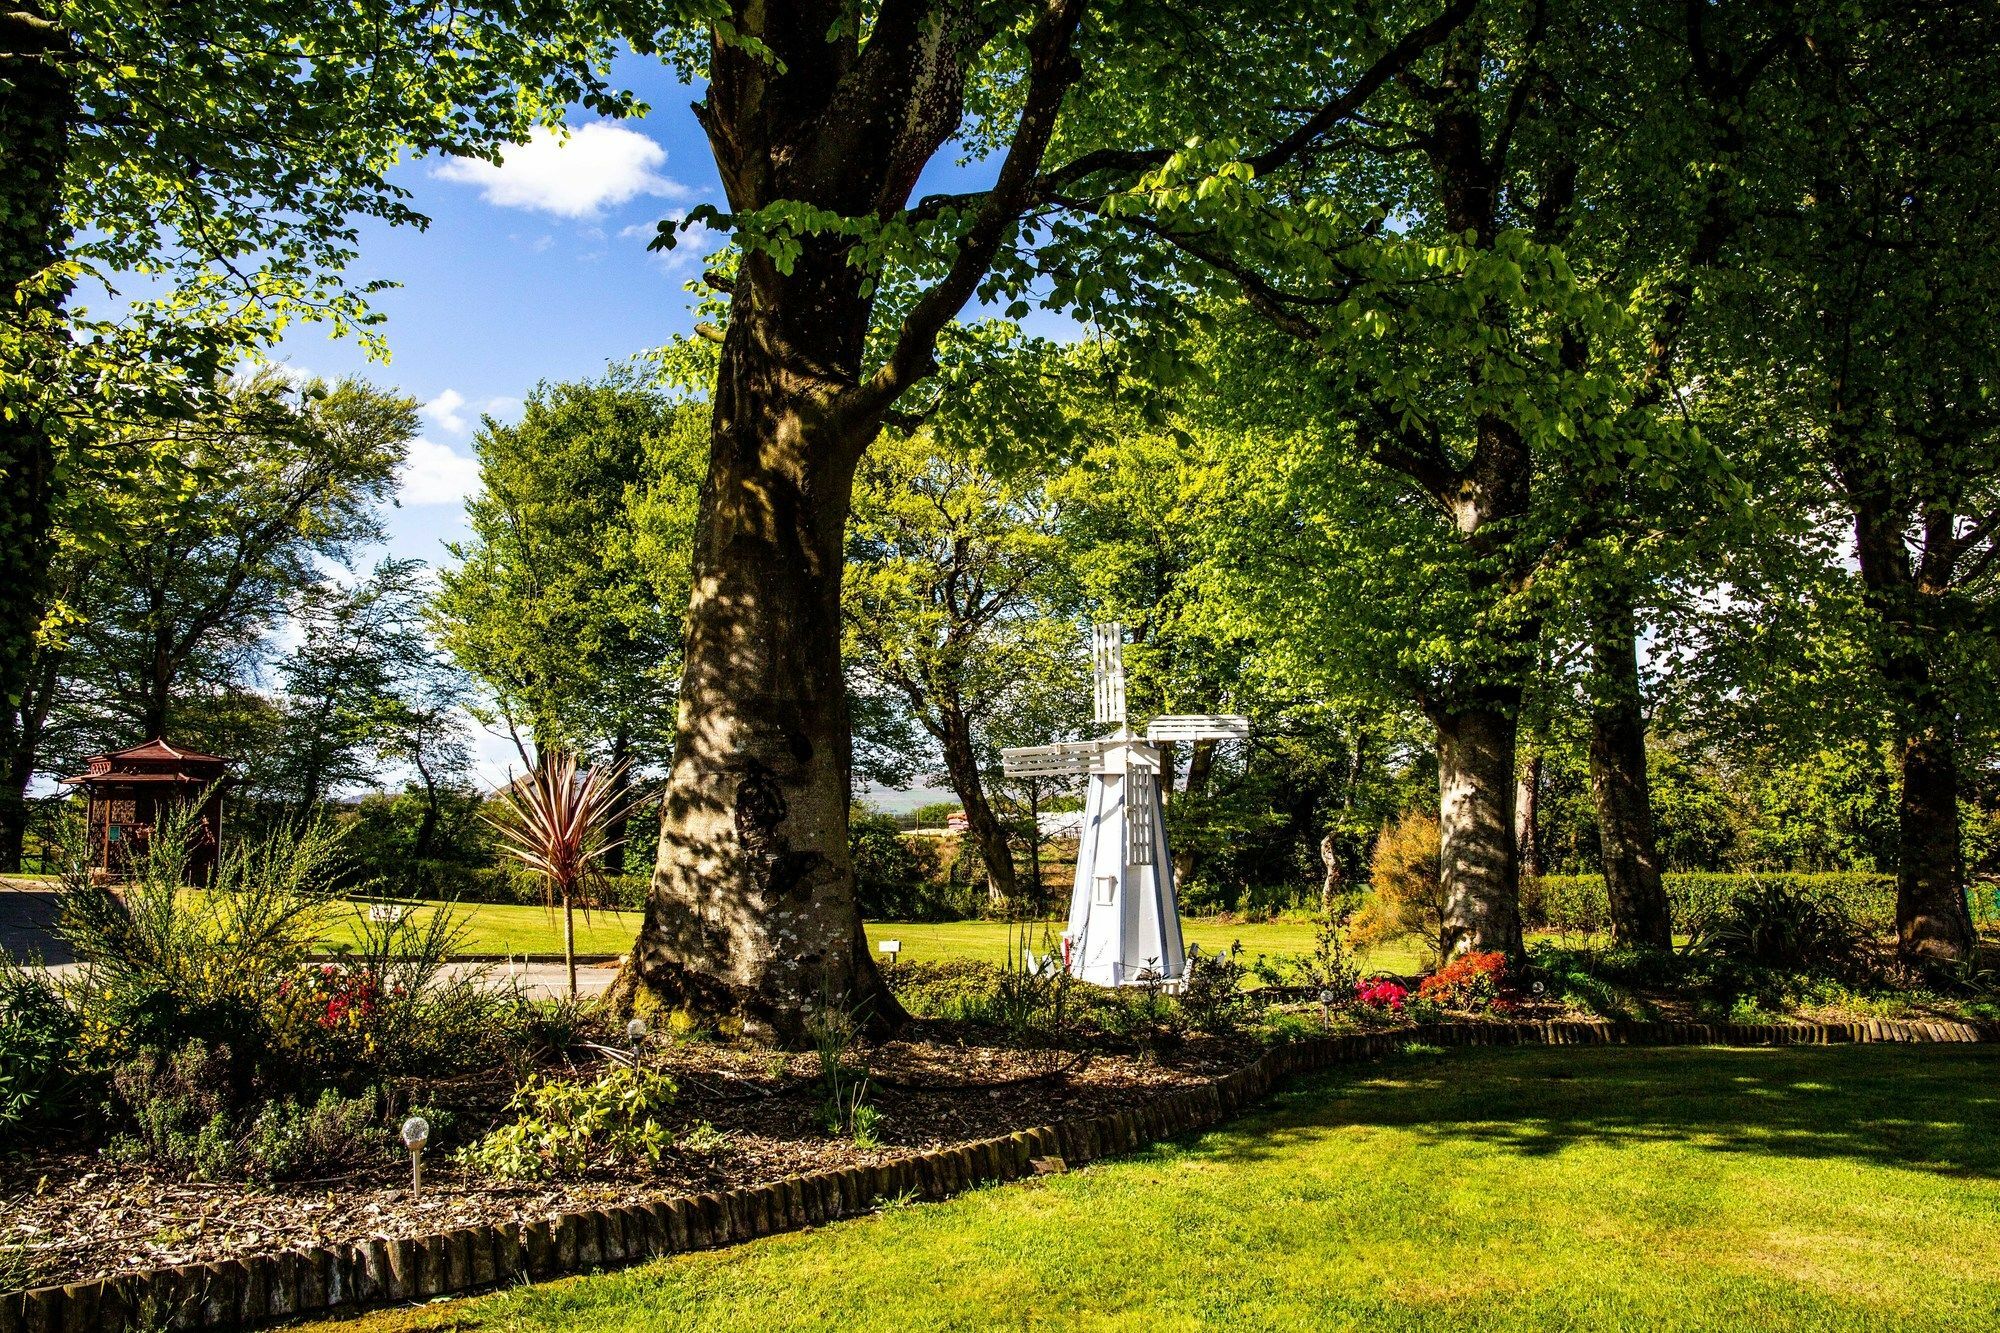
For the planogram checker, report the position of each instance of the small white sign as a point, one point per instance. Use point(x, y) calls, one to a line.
point(892, 947)
point(390, 912)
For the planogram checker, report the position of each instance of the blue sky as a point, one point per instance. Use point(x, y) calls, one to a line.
point(533, 270)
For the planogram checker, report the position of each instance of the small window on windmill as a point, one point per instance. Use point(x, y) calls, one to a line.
point(1139, 819)
point(1107, 890)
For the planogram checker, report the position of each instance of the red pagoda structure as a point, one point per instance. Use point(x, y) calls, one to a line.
point(130, 790)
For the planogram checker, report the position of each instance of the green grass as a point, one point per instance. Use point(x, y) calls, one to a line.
point(936, 942)
point(1828, 1188)
point(507, 928)
point(511, 928)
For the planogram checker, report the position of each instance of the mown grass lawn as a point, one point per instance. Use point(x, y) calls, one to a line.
point(1828, 1188)
point(494, 928)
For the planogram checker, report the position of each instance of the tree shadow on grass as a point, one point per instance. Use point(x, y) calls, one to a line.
point(1933, 1109)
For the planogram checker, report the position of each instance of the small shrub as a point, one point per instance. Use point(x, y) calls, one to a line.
point(1778, 925)
point(564, 1128)
point(703, 1137)
point(291, 1141)
point(167, 967)
point(1329, 967)
point(961, 989)
point(1212, 997)
point(1279, 1026)
point(844, 1090)
point(1381, 993)
point(1469, 982)
point(178, 1107)
point(895, 875)
point(39, 1075)
point(1407, 897)
point(867, 1122)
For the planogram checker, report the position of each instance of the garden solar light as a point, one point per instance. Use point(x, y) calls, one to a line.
point(415, 1131)
point(635, 1031)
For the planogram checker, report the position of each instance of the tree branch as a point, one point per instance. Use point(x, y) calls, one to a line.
point(1052, 70)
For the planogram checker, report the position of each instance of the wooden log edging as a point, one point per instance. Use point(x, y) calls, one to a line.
point(381, 1270)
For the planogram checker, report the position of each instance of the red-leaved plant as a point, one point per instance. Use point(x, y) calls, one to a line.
point(1468, 982)
point(1381, 994)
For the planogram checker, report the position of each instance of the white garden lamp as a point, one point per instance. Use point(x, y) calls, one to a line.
point(1124, 919)
point(416, 1132)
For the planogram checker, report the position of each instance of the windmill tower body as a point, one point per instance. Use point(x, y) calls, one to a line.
point(1124, 918)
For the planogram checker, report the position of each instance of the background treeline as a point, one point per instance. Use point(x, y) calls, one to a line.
point(975, 566)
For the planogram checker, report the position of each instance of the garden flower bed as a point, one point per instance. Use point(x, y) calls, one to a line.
point(741, 1116)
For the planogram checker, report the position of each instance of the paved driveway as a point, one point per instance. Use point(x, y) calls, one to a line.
point(27, 922)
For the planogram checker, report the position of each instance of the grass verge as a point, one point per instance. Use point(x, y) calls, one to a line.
point(510, 928)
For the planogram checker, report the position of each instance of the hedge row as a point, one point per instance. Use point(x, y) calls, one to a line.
point(1577, 902)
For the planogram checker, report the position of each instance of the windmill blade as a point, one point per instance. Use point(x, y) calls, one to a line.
point(1198, 727)
point(1140, 797)
point(1061, 760)
point(1107, 669)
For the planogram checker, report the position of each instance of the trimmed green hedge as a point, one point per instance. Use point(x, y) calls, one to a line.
point(1577, 902)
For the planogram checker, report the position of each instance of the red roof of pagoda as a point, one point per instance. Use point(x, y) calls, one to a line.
point(158, 749)
point(154, 761)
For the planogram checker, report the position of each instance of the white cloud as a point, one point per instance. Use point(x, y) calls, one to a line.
point(443, 409)
point(453, 412)
point(574, 176)
point(435, 474)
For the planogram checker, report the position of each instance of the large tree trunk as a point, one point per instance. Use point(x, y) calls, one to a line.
point(23, 752)
point(988, 835)
point(1619, 787)
point(751, 912)
point(1476, 860)
point(37, 106)
point(1528, 818)
point(1933, 922)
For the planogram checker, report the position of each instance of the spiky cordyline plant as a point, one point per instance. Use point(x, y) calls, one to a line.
point(554, 824)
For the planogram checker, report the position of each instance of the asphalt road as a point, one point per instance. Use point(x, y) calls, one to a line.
point(27, 923)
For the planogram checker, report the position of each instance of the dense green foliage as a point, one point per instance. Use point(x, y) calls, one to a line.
point(566, 604)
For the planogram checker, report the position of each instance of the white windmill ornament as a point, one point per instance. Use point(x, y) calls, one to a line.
point(1124, 919)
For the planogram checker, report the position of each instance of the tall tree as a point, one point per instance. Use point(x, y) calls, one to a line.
point(957, 595)
point(268, 482)
point(822, 118)
point(198, 169)
point(1426, 297)
point(361, 651)
point(1875, 266)
point(566, 603)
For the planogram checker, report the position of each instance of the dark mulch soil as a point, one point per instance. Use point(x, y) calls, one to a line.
point(72, 1215)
